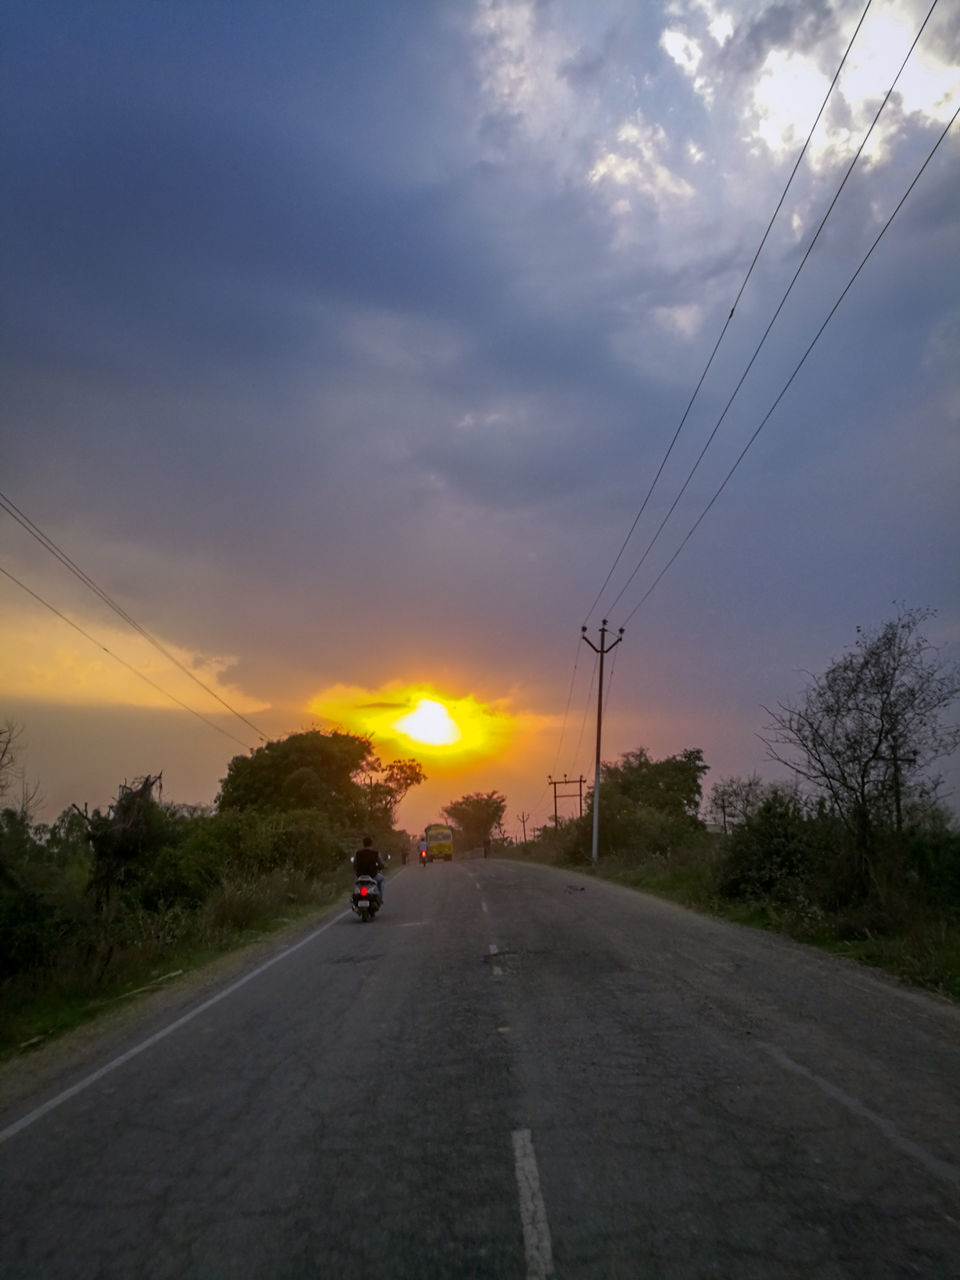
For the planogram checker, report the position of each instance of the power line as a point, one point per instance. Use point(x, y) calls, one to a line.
point(586, 709)
point(726, 324)
point(8, 505)
point(69, 621)
point(613, 670)
point(796, 370)
point(780, 306)
point(566, 710)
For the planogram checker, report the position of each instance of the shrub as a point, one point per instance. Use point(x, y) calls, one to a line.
point(770, 854)
point(29, 930)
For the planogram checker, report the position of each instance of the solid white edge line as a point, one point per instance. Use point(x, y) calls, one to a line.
point(32, 1116)
point(533, 1212)
point(933, 1164)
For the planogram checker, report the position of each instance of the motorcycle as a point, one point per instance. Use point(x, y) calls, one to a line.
point(366, 900)
point(423, 857)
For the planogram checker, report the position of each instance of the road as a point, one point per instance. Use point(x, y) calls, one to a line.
point(515, 1071)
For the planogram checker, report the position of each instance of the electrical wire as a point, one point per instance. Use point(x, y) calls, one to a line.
point(123, 662)
point(780, 306)
point(8, 505)
point(726, 324)
point(586, 708)
point(613, 667)
point(566, 710)
point(796, 370)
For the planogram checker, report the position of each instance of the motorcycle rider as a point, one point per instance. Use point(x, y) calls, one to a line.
point(367, 862)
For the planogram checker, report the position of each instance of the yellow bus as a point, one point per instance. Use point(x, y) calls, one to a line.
point(439, 842)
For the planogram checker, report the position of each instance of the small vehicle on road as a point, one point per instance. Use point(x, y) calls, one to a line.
point(366, 900)
point(439, 840)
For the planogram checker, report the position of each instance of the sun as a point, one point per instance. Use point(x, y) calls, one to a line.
point(429, 722)
point(418, 719)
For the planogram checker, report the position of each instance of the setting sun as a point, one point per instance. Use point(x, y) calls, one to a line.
point(419, 719)
point(430, 722)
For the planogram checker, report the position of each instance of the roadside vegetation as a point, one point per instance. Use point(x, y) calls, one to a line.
point(855, 852)
point(98, 906)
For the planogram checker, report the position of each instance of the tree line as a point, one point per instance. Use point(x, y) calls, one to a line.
point(93, 899)
point(856, 842)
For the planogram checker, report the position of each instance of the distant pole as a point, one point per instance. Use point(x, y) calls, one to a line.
point(566, 795)
point(523, 822)
point(603, 649)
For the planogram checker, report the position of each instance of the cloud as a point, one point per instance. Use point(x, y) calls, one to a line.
point(684, 51)
point(45, 660)
point(318, 324)
point(635, 161)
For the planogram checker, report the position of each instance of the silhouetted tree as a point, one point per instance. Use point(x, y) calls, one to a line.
point(866, 733)
point(475, 817)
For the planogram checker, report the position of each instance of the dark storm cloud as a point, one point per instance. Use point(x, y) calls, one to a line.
point(797, 27)
point(314, 314)
point(177, 202)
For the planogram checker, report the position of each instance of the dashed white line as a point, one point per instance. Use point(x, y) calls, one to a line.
point(492, 948)
point(533, 1212)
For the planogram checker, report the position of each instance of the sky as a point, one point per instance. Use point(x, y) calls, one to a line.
point(342, 344)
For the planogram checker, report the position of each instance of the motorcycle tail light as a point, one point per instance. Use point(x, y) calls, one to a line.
point(364, 891)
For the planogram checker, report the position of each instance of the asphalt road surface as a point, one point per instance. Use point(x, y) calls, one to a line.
point(514, 1071)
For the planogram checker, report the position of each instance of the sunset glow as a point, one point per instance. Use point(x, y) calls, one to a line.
point(431, 723)
point(418, 720)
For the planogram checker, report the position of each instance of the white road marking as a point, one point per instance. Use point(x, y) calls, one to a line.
point(497, 971)
point(484, 906)
point(492, 948)
point(933, 1164)
point(533, 1213)
point(25, 1121)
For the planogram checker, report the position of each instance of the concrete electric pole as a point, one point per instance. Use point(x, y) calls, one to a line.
point(603, 649)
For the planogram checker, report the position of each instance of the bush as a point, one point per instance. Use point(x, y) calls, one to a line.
point(770, 854)
point(29, 930)
point(931, 854)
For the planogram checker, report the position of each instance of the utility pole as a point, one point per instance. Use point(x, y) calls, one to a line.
point(603, 649)
point(523, 822)
point(566, 795)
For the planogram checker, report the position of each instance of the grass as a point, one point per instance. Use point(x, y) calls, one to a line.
point(38, 1007)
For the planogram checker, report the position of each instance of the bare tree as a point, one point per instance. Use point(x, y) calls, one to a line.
point(866, 733)
point(733, 800)
point(9, 735)
point(13, 777)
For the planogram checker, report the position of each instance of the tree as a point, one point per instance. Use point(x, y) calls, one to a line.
point(866, 733)
point(475, 817)
point(126, 840)
point(400, 775)
point(671, 785)
point(335, 774)
point(9, 733)
point(733, 800)
point(305, 770)
point(12, 774)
